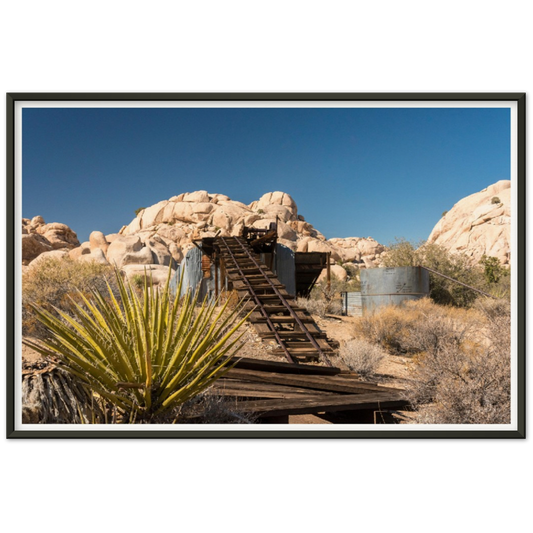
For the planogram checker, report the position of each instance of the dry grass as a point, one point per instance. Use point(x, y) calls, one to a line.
point(320, 307)
point(53, 282)
point(399, 329)
point(210, 408)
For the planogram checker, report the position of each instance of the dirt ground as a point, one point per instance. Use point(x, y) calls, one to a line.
point(393, 370)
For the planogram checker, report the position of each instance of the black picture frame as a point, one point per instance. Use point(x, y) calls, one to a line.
point(13, 96)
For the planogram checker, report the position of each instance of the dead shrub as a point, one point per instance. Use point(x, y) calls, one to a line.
point(361, 356)
point(461, 358)
point(462, 374)
point(320, 308)
point(53, 282)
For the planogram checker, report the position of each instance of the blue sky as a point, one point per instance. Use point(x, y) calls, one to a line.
point(383, 173)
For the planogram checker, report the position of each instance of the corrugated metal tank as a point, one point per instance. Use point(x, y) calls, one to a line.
point(392, 286)
point(352, 304)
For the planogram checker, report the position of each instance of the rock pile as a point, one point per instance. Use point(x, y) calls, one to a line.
point(162, 234)
point(39, 238)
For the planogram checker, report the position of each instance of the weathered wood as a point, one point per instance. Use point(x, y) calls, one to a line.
point(267, 291)
point(246, 363)
point(247, 389)
point(324, 383)
point(350, 402)
point(285, 319)
point(294, 334)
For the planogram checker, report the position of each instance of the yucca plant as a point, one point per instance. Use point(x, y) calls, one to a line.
point(142, 351)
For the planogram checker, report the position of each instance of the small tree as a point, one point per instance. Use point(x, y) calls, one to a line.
point(493, 269)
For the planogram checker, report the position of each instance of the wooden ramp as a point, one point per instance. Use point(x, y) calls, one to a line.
point(276, 316)
point(274, 390)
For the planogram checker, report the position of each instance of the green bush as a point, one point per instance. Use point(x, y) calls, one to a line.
point(493, 269)
point(495, 200)
point(438, 258)
point(137, 211)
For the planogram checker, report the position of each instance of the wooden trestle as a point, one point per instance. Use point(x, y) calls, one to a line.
point(275, 315)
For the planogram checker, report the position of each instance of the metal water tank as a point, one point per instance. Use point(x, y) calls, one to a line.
point(392, 286)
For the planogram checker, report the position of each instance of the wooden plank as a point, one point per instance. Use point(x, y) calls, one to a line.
point(246, 389)
point(326, 383)
point(295, 334)
point(281, 319)
point(310, 405)
point(272, 308)
point(247, 363)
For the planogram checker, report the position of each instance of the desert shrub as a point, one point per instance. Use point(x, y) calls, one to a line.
point(58, 283)
point(361, 356)
point(137, 211)
point(495, 200)
point(462, 375)
point(497, 277)
point(387, 327)
point(461, 358)
point(320, 306)
point(313, 306)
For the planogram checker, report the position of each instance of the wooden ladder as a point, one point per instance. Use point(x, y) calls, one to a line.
point(275, 316)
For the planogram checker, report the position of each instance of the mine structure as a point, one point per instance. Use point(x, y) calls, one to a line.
point(268, 277)
point(275, 315)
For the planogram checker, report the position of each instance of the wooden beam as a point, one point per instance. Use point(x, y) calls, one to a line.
point(350, 402)
point(246, 363)
point(324, 383)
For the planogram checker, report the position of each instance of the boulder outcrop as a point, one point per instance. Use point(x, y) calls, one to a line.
point(161, 235)
point(39, 237)
point(478, 225)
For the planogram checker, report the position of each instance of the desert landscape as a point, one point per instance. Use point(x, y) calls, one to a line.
point(160, 236)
